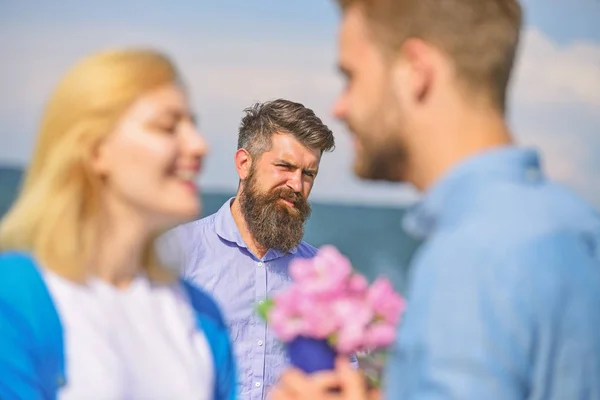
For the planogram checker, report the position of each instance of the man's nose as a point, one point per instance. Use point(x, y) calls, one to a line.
point(295, 181)
point(339, 107)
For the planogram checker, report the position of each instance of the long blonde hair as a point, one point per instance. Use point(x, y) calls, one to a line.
point(55, 216)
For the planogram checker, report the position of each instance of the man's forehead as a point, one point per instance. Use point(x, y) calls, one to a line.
point(353, 36)
point(288, 148)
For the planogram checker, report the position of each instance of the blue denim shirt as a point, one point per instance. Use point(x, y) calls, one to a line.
point(504, 299)
point(214, 256)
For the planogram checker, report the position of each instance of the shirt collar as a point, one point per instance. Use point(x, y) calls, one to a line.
point(225, 225)
point(507, 162)
point(227, 229)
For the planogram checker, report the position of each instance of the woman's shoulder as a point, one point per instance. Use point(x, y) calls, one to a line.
point(203, 304)
point(211, 322)
point(31, 341)
point(18, 270)
point(15, 257)
point(22, 286)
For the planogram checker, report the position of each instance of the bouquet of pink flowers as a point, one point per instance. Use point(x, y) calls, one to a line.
point(334, 308)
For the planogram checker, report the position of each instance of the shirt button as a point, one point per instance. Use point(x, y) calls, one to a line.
point(260, 264)
point(257, 384)
point(260, 342)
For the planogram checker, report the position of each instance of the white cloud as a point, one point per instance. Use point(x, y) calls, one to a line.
point(226, 75)
point(555, 99)
point(570, 159)
point(564, 158)
point(547, 73)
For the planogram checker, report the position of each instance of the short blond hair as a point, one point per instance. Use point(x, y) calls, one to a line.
point(55, 216)
point(480, 36)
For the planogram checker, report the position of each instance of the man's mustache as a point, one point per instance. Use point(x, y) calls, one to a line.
point(289, 195)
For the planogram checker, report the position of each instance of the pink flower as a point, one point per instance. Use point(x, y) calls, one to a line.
point(324, 274)
point(286, 299)
point(293, 304)
point(286, 326)
point(348, 308)
point(286, 317)
point(294, 300)
point(357, 284)
point(320, 324)
point(379, 335)
point(301, 269)
point(328, 301)
point(350, 338)
point(386, 303)
point(352, 315)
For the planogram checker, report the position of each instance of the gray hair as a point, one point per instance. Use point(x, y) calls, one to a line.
point(263, 120)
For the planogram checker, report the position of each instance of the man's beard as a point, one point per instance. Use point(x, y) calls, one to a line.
point(381, 161)
point(272, 223)
point(383, 155)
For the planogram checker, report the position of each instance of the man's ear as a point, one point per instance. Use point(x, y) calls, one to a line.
point(414, 70)
point(243, 163)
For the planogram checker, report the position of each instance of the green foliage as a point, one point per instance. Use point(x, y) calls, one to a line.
point(264, 308)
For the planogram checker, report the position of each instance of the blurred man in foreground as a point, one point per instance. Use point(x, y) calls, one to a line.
point(504, 299)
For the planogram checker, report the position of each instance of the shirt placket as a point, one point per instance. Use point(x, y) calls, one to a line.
point(259, 334)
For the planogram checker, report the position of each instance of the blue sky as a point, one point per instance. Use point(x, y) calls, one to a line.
point(235, 52)
point(565, 21)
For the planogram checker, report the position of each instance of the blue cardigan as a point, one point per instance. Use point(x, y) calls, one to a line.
point(32, 363)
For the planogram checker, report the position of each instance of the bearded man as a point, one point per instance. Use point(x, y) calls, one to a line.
point(241, 253)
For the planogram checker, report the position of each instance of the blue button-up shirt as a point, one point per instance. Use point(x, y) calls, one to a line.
point(214, 256)
point(504, 299)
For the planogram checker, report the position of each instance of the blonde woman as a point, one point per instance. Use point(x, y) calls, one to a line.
point(86, 309)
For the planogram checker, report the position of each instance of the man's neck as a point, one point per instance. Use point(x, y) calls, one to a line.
point(240, 222)
point(462, 137)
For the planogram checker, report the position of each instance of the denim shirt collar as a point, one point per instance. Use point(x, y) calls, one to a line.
point(507, 162)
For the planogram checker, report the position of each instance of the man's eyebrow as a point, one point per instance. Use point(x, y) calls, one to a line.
point(286, 163)
point(292, 165)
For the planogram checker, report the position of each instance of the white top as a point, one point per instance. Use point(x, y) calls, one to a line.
point(137, 343)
